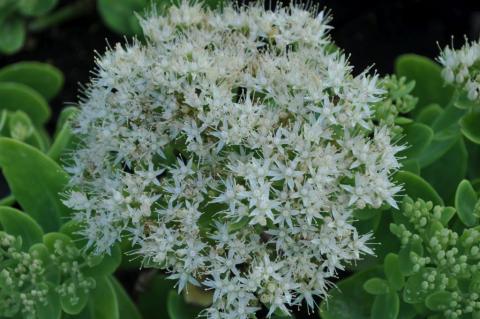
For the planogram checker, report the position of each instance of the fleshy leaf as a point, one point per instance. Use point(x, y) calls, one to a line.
point(465, 201)
point(470, 126)
point(36, 182)
point(429, 84)
point(416, 187)
point(386, 306)
point(18, 223)
point(437, 300)
point(127, 308)
point(350, 301)
point(35, 7)
point(376, 286)
point(12, 35)
point(16, 96)
point(178, 309)
point(445, 173)
point(417, 137)
point(391, 267)
point(43, 78)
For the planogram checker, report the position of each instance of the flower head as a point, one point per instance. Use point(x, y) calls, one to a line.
point(232, 149)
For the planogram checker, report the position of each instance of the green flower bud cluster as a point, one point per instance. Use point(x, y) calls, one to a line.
point(28, 278)
point(398, 100)
point(70, 262)
point(441, 266)
point(23, 284)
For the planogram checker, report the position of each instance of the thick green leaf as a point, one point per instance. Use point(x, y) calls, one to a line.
point(65, 115)
point(429, 114)
point(437, 300)
point(17, 96)
point(42, 77)
point(178, 309)
point(445, 173)
point(36, 182)
point(35, 7)
point(416, 187)
point(470, 125)
point(465, 201)
point(75, 306)
point(103, 303)
point(350, 301)
point(152, 302)
point(64, 142)
point(376, 286)
point(18, 223)
point(52, 309)
point(386, 306)
point(417, 137)
point(429, 84)
point(120, 15)
point(391, 267)
point(127, 308)
point(108, 265)
point(12, 35)
point(405, 263)
point(441, 143)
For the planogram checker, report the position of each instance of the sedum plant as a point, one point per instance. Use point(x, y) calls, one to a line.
point(230, 150)
point(13, 17)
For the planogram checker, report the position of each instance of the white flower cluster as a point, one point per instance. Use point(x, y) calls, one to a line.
point(231, 150)
point(462, 67)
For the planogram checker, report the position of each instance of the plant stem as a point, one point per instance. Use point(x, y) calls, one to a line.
point(61, 15)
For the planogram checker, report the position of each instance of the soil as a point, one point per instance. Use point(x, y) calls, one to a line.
point(373, 32)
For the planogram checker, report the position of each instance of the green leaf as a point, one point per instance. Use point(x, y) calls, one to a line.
point(445, 173)
point(20, 126)
point(108, 265)
point(66, 115)
point(429, 84)
point(52, 309)
point(71, 306)
point(386, 306)
point(178, 309)
point(36, 182)
point(50, 239)
point(64, 142)
point(412, 166)
point(16, 96)
point(405, 263)
point(42, 77)
point(429, 114)
point(465, 201)
point(376, 286)
point(437, 300)
point(441, 143)
point(103, 303)
point(35, 7)
point(470, 126)
point(350, 301)
point(413, 292)
point(18, 223)
point(416, 187)
point(127, 308)
point(152, 302)
point(120, 15)
point(391, 267)
point(417, 137)
point(12, 35)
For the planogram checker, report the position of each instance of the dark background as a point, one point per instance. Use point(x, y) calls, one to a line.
point(372, 32)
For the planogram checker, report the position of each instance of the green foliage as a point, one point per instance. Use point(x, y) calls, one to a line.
point(13, 17)
point(436, 271)
point(122, 15)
